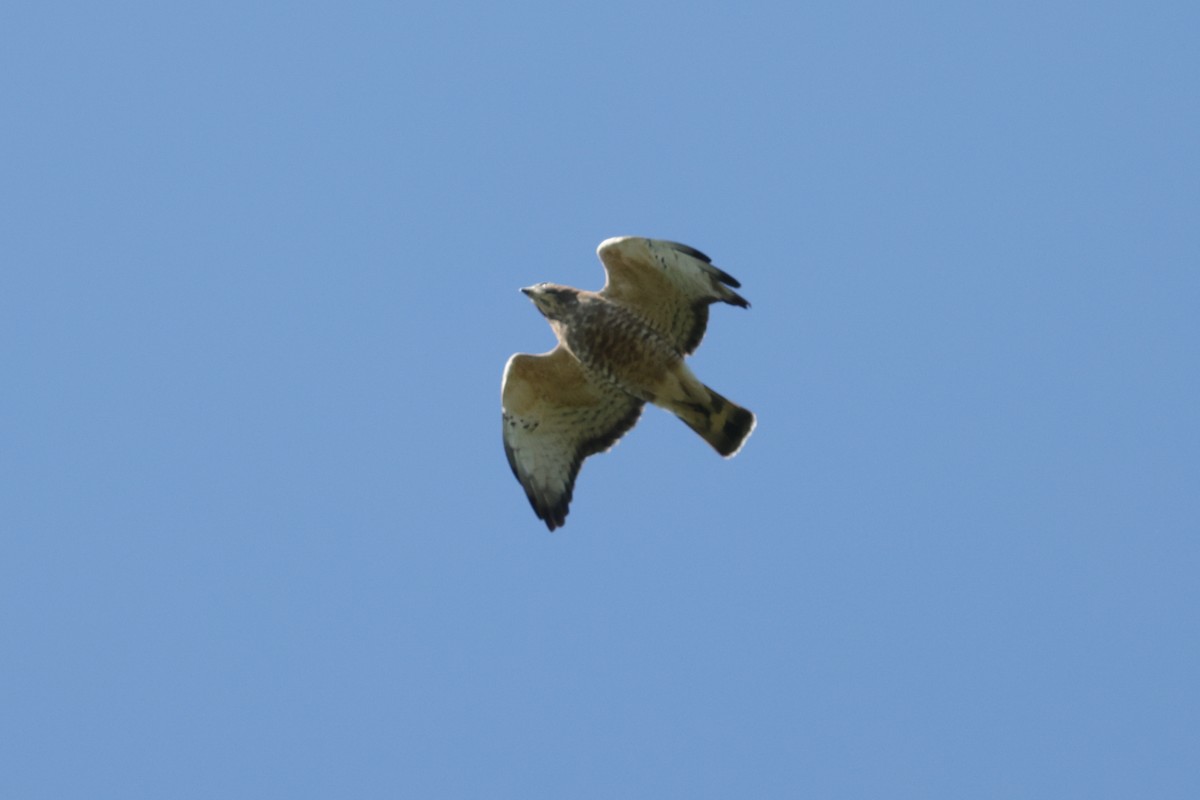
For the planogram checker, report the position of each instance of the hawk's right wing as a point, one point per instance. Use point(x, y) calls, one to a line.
point(554, 418)
point(669, 285)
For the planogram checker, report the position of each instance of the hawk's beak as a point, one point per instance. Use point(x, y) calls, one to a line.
point(527, 291)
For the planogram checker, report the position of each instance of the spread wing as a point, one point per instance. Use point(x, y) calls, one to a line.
point(668, 284)
point(554, 418)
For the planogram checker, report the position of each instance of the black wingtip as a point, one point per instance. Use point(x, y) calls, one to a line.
point(553, 514)
point(554, 518)
point(691, 251)
point(738, 300)
point(723, 276)
point(727, 279)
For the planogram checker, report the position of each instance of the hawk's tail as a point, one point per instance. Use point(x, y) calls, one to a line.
point(723, 424)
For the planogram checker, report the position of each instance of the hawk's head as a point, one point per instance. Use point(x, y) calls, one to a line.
point(552, 300)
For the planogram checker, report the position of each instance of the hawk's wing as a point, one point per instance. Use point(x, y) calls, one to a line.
point(554, 418)
point(668, 284)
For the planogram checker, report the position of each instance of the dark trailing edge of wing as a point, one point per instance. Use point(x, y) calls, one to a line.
point(696, 334)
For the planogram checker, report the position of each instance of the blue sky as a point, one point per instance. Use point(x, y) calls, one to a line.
point(260, 279)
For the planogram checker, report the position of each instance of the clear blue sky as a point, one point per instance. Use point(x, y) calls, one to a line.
point(260, 272)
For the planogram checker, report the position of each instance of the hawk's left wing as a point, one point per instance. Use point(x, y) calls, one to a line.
point(554, 418)
point(670, 285)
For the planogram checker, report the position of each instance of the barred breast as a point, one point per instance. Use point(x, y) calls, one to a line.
point(615, 345)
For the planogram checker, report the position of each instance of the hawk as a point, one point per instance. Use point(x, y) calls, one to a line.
point(618, 349)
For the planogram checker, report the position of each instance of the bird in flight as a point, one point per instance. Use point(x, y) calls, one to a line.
point(618, 349)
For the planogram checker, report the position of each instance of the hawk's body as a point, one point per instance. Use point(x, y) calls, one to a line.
point(614, 344)
point(618, 348)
